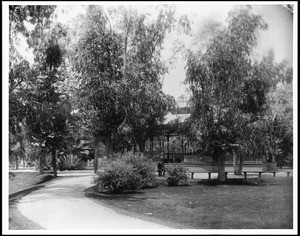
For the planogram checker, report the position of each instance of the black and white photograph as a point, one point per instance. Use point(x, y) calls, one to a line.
point(174, 117)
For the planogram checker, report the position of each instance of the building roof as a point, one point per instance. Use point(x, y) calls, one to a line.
point(169, 118)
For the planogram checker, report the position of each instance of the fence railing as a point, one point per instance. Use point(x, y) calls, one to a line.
point(246, 159)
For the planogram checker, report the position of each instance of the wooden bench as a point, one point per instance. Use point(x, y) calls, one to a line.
point(245, 173)
point(209, 175)
point(163, 173)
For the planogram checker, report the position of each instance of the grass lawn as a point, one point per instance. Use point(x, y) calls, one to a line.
point(21, 184)
point(22, 180)
point(265, 203)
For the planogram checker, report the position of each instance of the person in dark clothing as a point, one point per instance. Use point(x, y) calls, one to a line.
point(160, 168)
point(163, 168)
point(60, 164)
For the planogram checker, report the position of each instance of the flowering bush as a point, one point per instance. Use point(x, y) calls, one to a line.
point(125, 173)
point(176, 174)
point(144, 167)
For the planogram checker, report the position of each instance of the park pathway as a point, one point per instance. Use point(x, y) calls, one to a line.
point(61, 204)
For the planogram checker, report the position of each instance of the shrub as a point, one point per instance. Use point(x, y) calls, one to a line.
point(176, 174)
point(125, 173)
point(144, 167)
point(71, 162)
point(117, 177)
point(12, 175)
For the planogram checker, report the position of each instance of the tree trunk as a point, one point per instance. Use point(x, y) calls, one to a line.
point(221, 168)
point(54, 162)
point(142, 144)
point(22, 151)
point(151, 147)
point(42, 162)
point(134, 145)
point(125, 52)
point(241, 157)
point(168, 148)
point(97, 154)
point(126, 40)
point(17, 162)
point(237, 163)
point(272, 157)
point(108, 146)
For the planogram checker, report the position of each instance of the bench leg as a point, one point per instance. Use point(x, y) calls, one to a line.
point(192, 175)
point(226, 175)
point(259, 174)
point(288, 174)
point(245, 175)
point(209, 175)
point(274, 174)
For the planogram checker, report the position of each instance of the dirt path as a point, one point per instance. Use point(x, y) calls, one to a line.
point(61, 204)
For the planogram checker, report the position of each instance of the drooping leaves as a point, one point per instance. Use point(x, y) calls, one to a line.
point(226, 85)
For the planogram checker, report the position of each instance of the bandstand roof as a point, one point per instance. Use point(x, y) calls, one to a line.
point(172, 125)
point(169, 118)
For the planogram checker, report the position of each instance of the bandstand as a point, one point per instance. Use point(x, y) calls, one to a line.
point(170, 145)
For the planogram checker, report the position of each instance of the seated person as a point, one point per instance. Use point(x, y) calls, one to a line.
point(160, 168)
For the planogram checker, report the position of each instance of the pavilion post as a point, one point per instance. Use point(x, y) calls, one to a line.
point(182, 145)
point(151, 147)
point(168, 151)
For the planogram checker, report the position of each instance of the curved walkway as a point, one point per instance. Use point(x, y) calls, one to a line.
point(61, 204)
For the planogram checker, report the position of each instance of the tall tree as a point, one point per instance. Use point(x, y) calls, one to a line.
point(47, 115)
point(227, 88)
point(47, 110)
point(143, 70)
point(20, 72)
point(97, 60)
point(259, 136)
point(281, 110)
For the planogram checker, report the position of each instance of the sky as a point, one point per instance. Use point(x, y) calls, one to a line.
point(278, 36)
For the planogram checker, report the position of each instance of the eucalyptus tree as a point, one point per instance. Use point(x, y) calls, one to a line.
point(143, 69)
point(279, 137)
point(228, 89)
point(263, 135)
point(96, 57)
point(119, 69)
